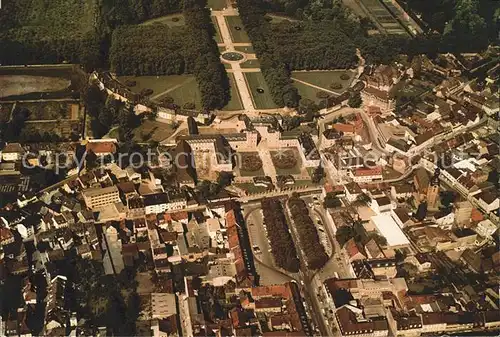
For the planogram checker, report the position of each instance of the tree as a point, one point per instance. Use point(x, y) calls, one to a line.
point(355, 100)
point(331, 201)
point(224, 179)
point(318, 174)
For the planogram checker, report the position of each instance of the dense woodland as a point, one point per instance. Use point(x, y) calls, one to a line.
point(280, 239)
point(308, 235)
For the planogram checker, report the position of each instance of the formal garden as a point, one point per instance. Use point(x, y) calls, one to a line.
point(250, 164)
point(286, 161)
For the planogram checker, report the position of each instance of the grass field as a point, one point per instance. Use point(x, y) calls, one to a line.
point(173, 20)
point(47, 82)
point(237, 36)
point(261, 100)
point(248, 49)
point(325, 78)
point(218, 37)
point(235, 102)
point(250, 64)
point(216, 5)
point(279, 18)
point(188, 92)
point(306, 91)
point(158, 84)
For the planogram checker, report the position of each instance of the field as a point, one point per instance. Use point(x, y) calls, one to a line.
point(250, 64)
point(261, 100)
point(48, 82)
point(306, 91)
point(159, 84)
point(218, 37)
point(188, 92)
point(173, 20)
point(238, 36)
point(216, 5)
point(245, 49)
point(323, 79)
point(235, 102)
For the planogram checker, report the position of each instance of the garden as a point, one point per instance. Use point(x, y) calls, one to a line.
point(250, 164)
point(286, 161)
point(260, 91)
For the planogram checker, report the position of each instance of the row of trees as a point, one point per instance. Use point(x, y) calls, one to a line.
point(275, 71)
point(308, 235)
point(280, 239)
point(202, 56)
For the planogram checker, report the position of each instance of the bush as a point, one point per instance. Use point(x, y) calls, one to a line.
point(130, 83)
point(189, 106)
point(146, 92)
point(285, 160)
point(176, 19)
point(322, 94)
point(168, 100)
point(251, 162)
point(335, 85)
point(344, 77)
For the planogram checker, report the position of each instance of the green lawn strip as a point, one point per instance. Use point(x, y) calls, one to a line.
point(261, 100)
point(325, 78)
point(237, 36)
point(217, 5)
point(245, 49)
point(235, 102)
point(218, 37)
point(173, 20)
point(250, 64)
point(158, 84)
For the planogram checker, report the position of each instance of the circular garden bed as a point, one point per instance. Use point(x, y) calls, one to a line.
point(232, 56)
point(284, 159)
point(251, 162)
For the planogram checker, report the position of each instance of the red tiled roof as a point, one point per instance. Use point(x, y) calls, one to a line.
point(101, 147)
point(377, 170)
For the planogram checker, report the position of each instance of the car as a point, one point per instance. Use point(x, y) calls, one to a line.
point(321, 229)
point(256, 249)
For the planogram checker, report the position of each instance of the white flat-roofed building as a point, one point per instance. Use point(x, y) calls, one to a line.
point(388, 227)
point(98, 197)
point(163, 305)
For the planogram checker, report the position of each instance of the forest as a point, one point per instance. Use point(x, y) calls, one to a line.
point(308, 235)
point(280, 239)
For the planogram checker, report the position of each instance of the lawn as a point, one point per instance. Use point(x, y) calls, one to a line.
point(251, 188)
point(158, 84)
point(250, 64)
point(188, 92)
point(246, 172)
point(306, 91)
point(245, 49)
point(216, 5)
point(18, 85)
point(325, 78)
point(278, 18)
point(235, 102)
point(151, 131)
point(261, 100)
point(237, 35)
point(218, 37)
point(173, 20)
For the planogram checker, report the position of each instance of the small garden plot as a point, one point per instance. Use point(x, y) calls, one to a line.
point(245, 49)
point(260, 92)
point(286, 161)
point(22, 84)
point(173, 20)
point(56, 130)
point(335, 80)
point(203, 163)
point(5, 110)
point(236, 29)
point(250, 164)
point(54, 110)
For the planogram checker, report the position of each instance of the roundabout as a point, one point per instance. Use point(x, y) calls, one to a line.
point(233, 56)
